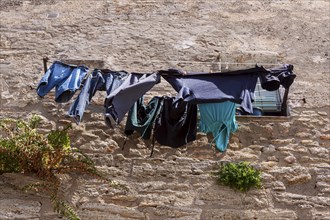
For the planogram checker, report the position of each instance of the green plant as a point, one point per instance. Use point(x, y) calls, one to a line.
point(239, 176)
point(63, 208)
point(25, 150)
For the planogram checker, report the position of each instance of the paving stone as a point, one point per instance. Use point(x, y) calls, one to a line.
point(290, 159)
point(320, 151)
point(269, 149)
point(325, 137)
point(19, 209)
point(223, 214)
point(123, 212)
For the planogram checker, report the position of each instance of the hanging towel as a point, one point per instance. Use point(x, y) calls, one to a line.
point(219, 119)
point(141, 117)
point(177, 123)
point(200, 88)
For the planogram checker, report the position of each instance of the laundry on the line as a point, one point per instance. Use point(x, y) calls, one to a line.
point(99, 80)
point(285, 75)
point(66, 78)
point(119, 101)
point(177, 123)
point(91, 85)
point(141, 117)
point(218, 119)
point(171, 120)
point(210, 88)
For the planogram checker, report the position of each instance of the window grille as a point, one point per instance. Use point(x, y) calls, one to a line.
point(268, 101)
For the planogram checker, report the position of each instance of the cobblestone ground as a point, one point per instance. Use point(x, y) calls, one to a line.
point(292, 152)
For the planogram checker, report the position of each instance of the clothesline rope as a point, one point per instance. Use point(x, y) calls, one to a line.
point(192, 62)
point(210, 62)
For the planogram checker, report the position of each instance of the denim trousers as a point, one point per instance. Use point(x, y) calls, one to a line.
point(66, 78)
point(99, 80)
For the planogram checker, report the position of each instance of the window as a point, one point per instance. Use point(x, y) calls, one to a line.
point(268, 103)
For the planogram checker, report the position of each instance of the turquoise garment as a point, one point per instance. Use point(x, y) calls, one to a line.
point(141, 117)
point(218, 118)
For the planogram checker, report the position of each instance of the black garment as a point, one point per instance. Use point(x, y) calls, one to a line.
point(284, 74)
point(177, 124)
point(141, 117)
point(119, 102)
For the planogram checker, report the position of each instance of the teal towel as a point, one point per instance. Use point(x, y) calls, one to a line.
point(219, 119)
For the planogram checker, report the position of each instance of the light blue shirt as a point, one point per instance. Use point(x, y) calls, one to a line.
point(218, 118)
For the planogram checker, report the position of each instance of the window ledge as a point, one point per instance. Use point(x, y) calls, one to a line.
point(262, 118)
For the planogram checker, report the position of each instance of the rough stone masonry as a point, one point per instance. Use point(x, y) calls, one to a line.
point(146, 35)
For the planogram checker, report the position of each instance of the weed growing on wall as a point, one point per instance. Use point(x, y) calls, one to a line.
point(239, 176)
point(25, 150)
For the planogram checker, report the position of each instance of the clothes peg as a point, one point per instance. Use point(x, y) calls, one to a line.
point(45, 60)
point(220, 67)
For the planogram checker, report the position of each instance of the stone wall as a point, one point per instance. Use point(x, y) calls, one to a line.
point(292, 152)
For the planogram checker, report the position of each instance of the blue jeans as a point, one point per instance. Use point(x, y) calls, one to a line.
point(103, 80)
point(66, 78)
